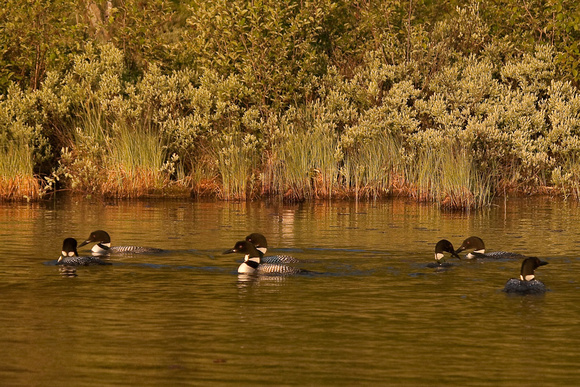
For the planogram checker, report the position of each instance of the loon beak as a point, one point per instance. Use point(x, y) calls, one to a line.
point(85, 243)
point(542, 263)
point(460, 249)
point(453, 253)
point(230, 251)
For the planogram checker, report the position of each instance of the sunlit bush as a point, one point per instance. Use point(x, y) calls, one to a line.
point(241, 100)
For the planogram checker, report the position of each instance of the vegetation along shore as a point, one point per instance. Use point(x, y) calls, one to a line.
point(450, 102)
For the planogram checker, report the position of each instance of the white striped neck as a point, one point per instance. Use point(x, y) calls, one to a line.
point(475, 254)
point(249, 266)
point(101, 248)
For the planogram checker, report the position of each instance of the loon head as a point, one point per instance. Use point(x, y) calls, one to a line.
point(248, 249)
point(529, 265)
point(99, 236)
point(444, 246)
point(259, 241)
point(475, 243)
point(253, 257)
point(69, 249)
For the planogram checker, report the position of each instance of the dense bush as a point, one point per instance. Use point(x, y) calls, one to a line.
point(299, 99)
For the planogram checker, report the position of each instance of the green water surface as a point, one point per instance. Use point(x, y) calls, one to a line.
point(370, 313)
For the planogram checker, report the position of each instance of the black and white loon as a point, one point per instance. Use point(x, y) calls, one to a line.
point(476, 244)
point(259, 241)
point(527, 283)
point(253, 263)
point(443, 246)
point(70, 257)
point(103, 245)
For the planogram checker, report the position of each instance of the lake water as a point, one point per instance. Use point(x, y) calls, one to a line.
point(371, 313)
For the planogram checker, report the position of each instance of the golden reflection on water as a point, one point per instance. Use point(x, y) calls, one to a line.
point(370, 312)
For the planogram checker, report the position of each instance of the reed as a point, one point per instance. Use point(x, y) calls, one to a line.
point(134, 161)
point(419, 176)
point(302, 165)
point(17, 180)
point(237, 159)
point(448, 177)
point(566, 178)
point(370, 169)
point(115, 158)
point(461, 185)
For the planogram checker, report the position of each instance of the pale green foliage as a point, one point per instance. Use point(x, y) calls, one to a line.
point(454, 116)
point(21, 136)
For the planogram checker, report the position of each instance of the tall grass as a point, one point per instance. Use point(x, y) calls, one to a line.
point(568, 183)
point(114, 158)
point(461, 185)
point(303, 165)
point(237, 159)
point(17, 179)
point(447, 177)
point(371, 169)
point(134, 162)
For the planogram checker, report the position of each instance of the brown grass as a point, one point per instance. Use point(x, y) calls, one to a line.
point(20, 188)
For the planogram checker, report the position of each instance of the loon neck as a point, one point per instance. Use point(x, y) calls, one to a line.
point(101, 247)
point(254, 259)
point(249, 266)
point(528, 277)
point(475, 254)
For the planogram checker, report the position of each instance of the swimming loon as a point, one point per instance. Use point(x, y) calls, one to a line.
point(443, 246)
point(259, 241)
point(478, 247)
point(103, 245)
point(70, 257)
point(253, 263)
point(527, 283)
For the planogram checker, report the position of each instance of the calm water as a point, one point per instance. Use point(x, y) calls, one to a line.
point(371, 314)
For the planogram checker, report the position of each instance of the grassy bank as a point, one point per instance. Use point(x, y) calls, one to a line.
point(301, 103)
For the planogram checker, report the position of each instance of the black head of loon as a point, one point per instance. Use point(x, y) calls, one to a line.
point(100, 237)
point(259, 241)
point(444, 246)
point(253, 258)
point(527, 283)
point(69, 248)
point(70, 256)
point(475, 243)
point(248, 249)
point(529, 266)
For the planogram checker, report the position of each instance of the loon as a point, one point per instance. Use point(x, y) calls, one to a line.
point(70, 257)
point(527, 283)
point(478, 247)
point(103, 245)
point(253, 263)
point(443, 246)
point(259, 241)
